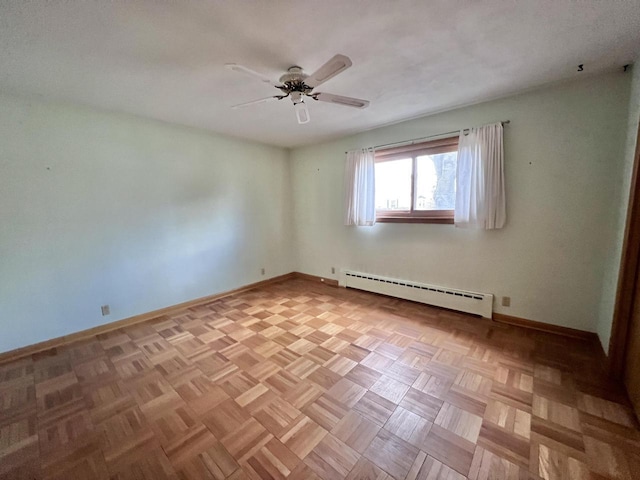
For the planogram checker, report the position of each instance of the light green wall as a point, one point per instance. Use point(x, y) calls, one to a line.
point(563, 151)
point(623, 182)
point(104, 208)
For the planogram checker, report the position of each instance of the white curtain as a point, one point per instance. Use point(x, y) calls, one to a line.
point(359, 188)
point(480, 197)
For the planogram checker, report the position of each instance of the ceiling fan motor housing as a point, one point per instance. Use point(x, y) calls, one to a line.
point(294, 74)
point(293, 81)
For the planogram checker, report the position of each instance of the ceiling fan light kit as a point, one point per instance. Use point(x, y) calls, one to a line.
point(297, 85)
point(302, 113)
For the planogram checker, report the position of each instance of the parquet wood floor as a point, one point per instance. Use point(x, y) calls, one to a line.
point(303, 381)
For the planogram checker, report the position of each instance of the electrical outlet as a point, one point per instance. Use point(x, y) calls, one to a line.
point(506, 301)
point(262, 271)
point(333, 269)
point(105, 310)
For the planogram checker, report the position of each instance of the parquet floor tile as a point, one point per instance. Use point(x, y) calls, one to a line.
point(303, 435)
point(274, 460)
point(299, 380)
point(432, 468)
point(408, 426)
point(422, 404)
point(332, 458)
point(155, 466)
point(365, 470)
point(355, 431)
point(489, 466)
point(449, 448)
point(389, 388)
point(392, 454)
point(346, 392)
point(326, 411)
point(375, 408)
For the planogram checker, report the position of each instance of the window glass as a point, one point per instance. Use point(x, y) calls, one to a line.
point(436, 181)
point(393, 184)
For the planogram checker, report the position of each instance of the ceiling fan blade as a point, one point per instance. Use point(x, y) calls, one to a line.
point(242, 69)
point(256, 102)
point(340, 100)
point(302, 113)
point(333, 67)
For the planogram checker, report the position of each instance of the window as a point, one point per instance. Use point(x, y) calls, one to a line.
point(417, 183)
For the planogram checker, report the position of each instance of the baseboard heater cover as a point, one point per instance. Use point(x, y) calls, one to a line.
point(460, 300)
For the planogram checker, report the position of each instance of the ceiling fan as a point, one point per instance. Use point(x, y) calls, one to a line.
point(297, 85)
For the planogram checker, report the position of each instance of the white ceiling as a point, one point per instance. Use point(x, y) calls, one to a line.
point(165, 59)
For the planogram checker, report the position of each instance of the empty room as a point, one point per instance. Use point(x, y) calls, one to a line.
point(318, 240)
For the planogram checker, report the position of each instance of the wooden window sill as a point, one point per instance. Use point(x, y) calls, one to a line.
point(438, 220)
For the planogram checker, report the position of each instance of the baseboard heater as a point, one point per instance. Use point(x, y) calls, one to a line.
point(460, 300)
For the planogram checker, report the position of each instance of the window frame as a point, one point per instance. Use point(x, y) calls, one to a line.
point(413, 151)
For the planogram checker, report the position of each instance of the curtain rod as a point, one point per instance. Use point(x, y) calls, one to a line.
point(414, 140)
